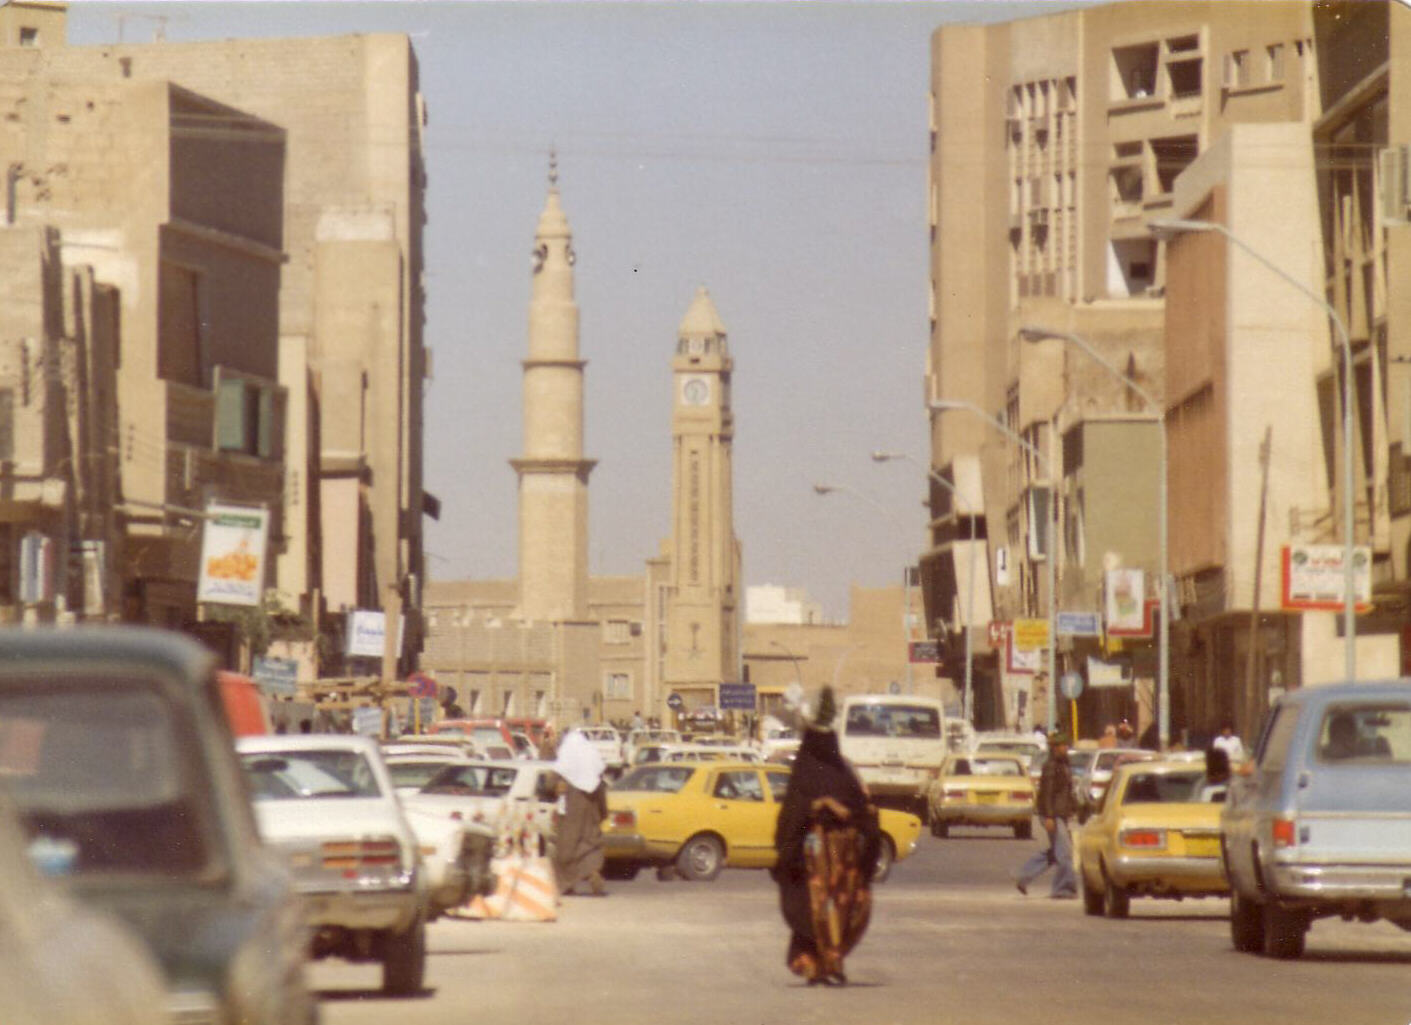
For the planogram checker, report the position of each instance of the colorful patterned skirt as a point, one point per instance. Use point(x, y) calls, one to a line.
point(839, 902)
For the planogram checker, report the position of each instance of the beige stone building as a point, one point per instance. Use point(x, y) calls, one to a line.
point(342, 245)
point(1057, 141)
point(168, 326)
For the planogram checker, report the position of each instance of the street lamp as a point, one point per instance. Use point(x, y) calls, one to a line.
point(884, 457)
point(1163, 674)
point(1172, 226)
point(1051, 556)
point(828, 489)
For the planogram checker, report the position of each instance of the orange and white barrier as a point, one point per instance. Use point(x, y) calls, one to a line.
point(526, 890)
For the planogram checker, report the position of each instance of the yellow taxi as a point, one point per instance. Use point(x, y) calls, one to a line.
point(1156, 834)
point(702, 817)
point(981, 789)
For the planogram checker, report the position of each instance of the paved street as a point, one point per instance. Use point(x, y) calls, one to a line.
point(951, 941)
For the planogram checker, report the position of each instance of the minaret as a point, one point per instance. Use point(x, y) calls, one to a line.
point(553, 475)
point(702, 623)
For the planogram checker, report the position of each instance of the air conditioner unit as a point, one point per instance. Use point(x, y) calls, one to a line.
point(1395, 175)
point(1038, 218)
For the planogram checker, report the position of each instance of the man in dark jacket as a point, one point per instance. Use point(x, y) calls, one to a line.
point(1055, 804)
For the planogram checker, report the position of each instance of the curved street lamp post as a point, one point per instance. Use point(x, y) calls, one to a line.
point(1163, 674)
point(1173, 226)
point(1051, 556)
point(968, 711)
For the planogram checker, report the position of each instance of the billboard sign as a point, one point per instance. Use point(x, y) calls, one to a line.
point(925, 652)
point(233, 555)
point(277, 675)
point(1125, 603)
point(1030, 634)
point(1313, 577)
point(739, 697)
point(1079, 624)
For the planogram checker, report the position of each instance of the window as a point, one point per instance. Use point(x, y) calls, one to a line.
point(1173, 155)
point(179, 341)
point(249, 415)
point(1365, 733)
point(1274, 749)
point(1127, 184)
point(617, 686)
point(29, 35)
point(1134, 71)
point(738, 786)
point(1275, 56)
point(1237, 69)
point(615, 631)
point(1185, 77)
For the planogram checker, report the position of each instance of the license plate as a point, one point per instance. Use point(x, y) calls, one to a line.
point(1203, 846)
point(987, 798)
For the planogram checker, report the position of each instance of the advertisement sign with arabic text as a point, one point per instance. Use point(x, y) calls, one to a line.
point(1313, 577)
point(233, 555)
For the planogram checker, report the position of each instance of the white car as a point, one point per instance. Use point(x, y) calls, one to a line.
point(608, 742)
point(647, 737)
point(65, 963)
point(710, 753)
point(411, 772)
point(327, 802)
point(491, 794)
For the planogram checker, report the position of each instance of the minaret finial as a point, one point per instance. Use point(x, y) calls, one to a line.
point(553, 167)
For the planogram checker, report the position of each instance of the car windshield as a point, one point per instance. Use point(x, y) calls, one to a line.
point(472, 781)
point(659, 779)
point(414, 774)
point(1163, 787)
point(1081, 761)
point(288, 775)
point(100, 771)
point(888, 720)
point(1366, 734)
point(1013, 747)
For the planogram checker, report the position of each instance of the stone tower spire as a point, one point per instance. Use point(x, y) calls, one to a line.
point(702, 605)
point(553, 475)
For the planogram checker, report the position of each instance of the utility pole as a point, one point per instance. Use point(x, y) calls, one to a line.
point(1251, 698)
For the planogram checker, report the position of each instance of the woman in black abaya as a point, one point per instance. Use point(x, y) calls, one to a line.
point(827, 839)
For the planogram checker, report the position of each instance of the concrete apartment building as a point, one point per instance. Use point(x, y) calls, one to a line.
point(348, 365)
point(1057, 140)
point(168, 326)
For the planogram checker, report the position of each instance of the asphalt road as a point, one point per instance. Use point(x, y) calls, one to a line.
point(951, 940)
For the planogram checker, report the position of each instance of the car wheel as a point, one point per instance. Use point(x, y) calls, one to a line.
point(701, 858)
point(623, 870)
point(939, 828)
point(404, 960)
point(1284, 932)
point(1246, 924)
point(1092, 899)
point(1116, 903)
point(1023, 830)
point(886, 858)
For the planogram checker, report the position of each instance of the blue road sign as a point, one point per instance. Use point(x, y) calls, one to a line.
point(739, 697)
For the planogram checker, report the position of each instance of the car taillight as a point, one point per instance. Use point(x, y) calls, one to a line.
point(1020, 795)
point(1284, 833)
point(953, 795)
point(1144, 838)
point(624, 819)
point(351, 856)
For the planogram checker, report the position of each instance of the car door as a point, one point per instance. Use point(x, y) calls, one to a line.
point(744, 816)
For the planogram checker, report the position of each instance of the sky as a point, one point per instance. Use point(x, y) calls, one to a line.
point(773, 152)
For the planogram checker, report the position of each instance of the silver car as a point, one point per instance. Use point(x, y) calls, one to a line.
point(1322, 826)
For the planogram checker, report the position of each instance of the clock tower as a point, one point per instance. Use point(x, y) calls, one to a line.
point(702, 613)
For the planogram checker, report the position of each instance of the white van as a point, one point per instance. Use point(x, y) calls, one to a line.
point(896, 743)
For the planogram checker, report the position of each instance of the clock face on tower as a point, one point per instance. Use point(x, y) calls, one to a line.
point(695, 391)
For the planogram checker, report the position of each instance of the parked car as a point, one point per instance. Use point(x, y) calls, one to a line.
point(116, 748)
point(1080, 765)
point(489, 792)
point(708, 816)
point(1321, 825)
point(64, 963)
point(438, 743)
point(982, 790)
point(1156, 834)
point(328, 804)
point(709, 753)
point(1026, 745)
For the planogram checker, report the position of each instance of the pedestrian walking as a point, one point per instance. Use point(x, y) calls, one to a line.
point(582, 808)
point(1055, 805)
point(827, 839)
